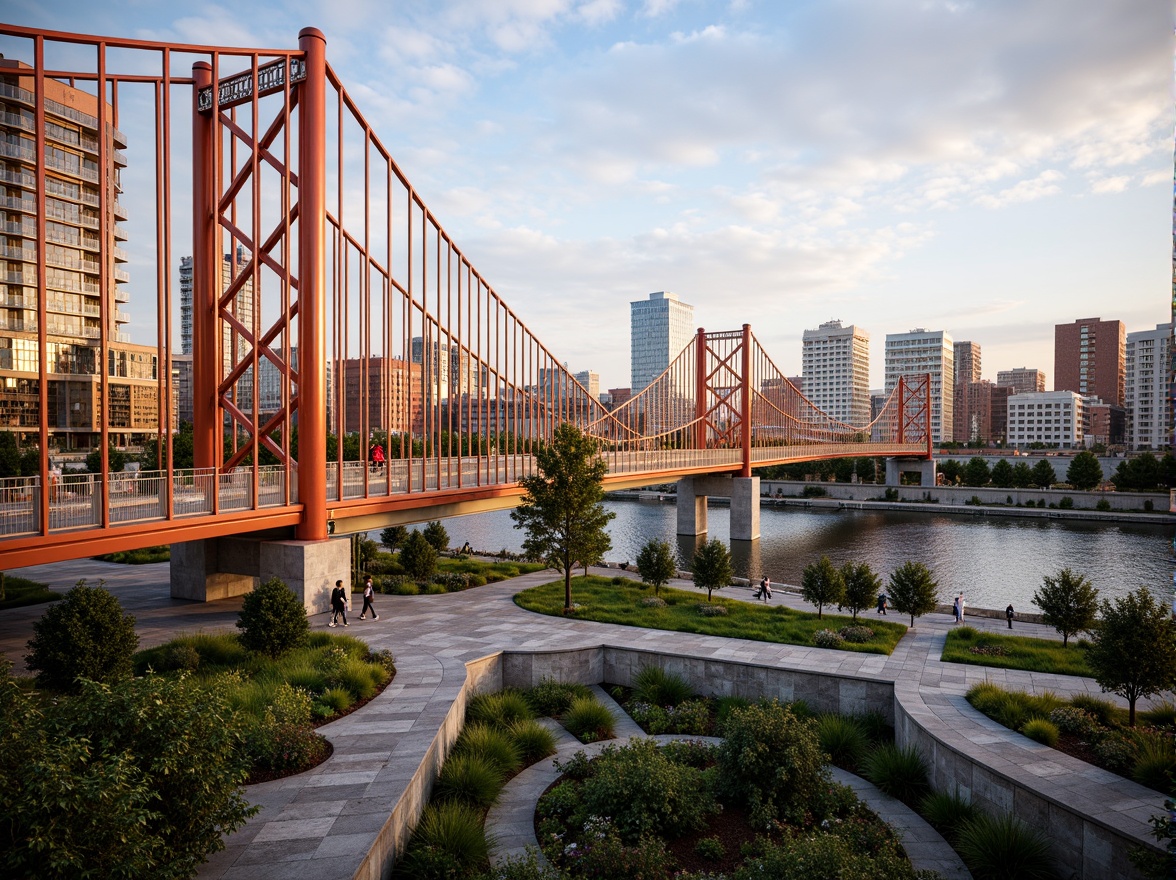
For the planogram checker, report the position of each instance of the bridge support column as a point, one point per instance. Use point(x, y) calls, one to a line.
point(218, 568)
point(896, 467)
point(744, 495)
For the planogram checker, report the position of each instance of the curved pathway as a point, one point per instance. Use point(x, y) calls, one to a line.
point(334, 821)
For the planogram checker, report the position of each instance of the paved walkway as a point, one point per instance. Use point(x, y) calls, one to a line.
point(326, 820)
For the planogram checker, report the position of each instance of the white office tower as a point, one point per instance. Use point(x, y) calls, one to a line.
point(591, 382)
point(835, 363)
point(1149, 411)
point(926, 351)
point(659, 328)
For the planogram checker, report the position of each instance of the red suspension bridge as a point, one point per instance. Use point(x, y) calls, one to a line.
point(326, 300)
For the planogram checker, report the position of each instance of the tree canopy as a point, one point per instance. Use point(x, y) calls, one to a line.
point(1002, 474)
point(712, 567)
point(1043, 474)
point(976, 472)
point(1133, 652)
point(1085, 472)
point(913, 590)
point(656, 564)
point(862, 586)
point(822, 584)
point(1068, 603)
point(561, 510)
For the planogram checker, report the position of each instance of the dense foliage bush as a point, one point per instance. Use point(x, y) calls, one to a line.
point(133, 779)
point(86, 635)
point(899, 772)
point(827, 857)
point(772, 760)
point(654, 685)
point(436, 535)
point(418, 557)
point(827, 638)
point(273, 620)
point(997, 847)
point(552, 698)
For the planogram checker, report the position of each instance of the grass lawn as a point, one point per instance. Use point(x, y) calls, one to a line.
point(18, 591)
point(142, 556)
point(491, 571)
point(967, 645)
point(602, 600)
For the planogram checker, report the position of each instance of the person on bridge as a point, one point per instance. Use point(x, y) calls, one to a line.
point(338, 604)
point(377, 456)
point(368, 590)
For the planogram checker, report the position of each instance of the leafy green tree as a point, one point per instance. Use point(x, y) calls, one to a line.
point(272, 619)
point(1022, 475)
point(1068, 603)
point(114, 457)
point(141, 778)
point(1043, 474)
point(1168, 470)
point(418, 557)
point(913, 590)
point(862, 586)
point(976, 472)
point(1133, 650)
point(952, 471)
point(30, 462)
point(561, 511)
point(393, 537)
point(865, 470)
point(822, 584)
point(711, 566)
point(1002, 474)
point(436, 535)
point(656, 564)
point(9, 455)
point(1141, 473)
point(86, 635)
point(1084, 472)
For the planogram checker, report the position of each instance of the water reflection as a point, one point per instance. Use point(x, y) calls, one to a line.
point(993, 561)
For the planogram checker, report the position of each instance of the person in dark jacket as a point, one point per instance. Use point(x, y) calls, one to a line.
point(338, 604)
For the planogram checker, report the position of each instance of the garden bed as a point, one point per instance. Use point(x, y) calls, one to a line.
point(968, 645)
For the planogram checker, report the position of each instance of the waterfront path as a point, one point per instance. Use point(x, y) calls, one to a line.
point(328, 820)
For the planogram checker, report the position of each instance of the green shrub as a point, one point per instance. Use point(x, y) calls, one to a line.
point(418, 557)
point(643, 792)
point(550, 698)
point(1155, 760)
point(947, 812)
point(1115, 751)
point(1161, 714)
point(608, 856)
point(339, 699)
point(843, 739)
point(469, 779)
point(710, 848)
point(1002, 847)
point(1075, 721)
point(449, 842)
point(500, 709)
point(899, 772)
point(436, 535)
point(856, 634)
point(827, 638)
point(692, 718)
point(651, 718)
point(532, 740)
point(588, 720)
point(1067, 503)
point(965, 633)
point(654, 685)
point(404, 587)
point(825, 857)
point(772, 761)
point(283, 748)
point(452, 581)
point(1103, 504)
point(181, 656)
point(272, 619)
point(1104, 711)
point(724, 706)
point(875, 726)
point(86, 635)
point(493, 746)
point(706, 609)
point(1042, 731)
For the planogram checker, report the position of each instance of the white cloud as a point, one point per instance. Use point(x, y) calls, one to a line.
point(1043, 185)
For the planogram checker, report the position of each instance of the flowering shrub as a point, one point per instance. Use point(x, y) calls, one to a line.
point(988, 650)
point(654, 602)
point(856, 634)
point(1115, 752)
point(826, 638)
point(453, 581)
point(708, 609)
point(1077, 722)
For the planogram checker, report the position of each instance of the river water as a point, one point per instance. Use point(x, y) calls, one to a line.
point(993, 561)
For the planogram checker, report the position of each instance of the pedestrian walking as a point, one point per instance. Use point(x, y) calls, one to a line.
point(368, 591)
point(1009, 614)
point(956, 611)
point(338, 604)
point(882, 600)
point(962, 604)
point(377, 456)
point(765, 589)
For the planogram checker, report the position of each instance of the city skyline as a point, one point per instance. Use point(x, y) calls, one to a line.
point(990, 171)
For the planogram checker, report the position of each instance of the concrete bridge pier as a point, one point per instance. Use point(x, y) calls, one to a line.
point(744, 495)
point(896, 467)
point(217, 568)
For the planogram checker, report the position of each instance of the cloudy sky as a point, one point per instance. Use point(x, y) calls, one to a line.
point(989, 168)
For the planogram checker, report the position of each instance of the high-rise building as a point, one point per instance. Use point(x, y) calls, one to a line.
point(394, 395)
point(1052, 418)
point(1090, 357)
point(835, 365)
point(659, 328)
point(1149, 409)
point(591, 381)
point(980, 412)
point(448, 367)
point(1022, 380)
point(82, 260)
point(926, 351)
point(967, 362)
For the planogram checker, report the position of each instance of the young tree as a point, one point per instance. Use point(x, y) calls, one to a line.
point(1002, 474)
point(86, 635)
point(862, 586)
point(561, 510)
point(976, 472)
point(712, 567)
point(913, 590)
point(1084, 472)
point(418, 557)
point(1133, 650)
point(436, 535)
point(656, 564)
point(1068, 603)
point(9, 455)
point(822, 584)
point(1022, 475)
point(272, 619)
point(393, 537)
point(1043, 474)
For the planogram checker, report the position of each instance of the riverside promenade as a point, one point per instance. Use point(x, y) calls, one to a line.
point(350, 816)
